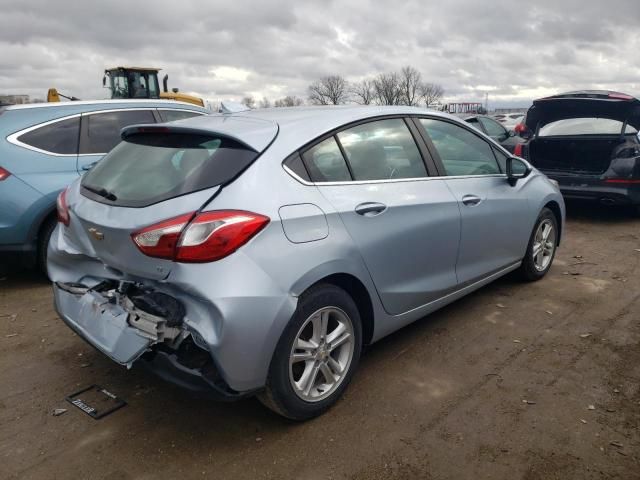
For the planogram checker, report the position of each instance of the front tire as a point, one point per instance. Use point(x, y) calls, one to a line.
point(316, 355)
point(541, 249)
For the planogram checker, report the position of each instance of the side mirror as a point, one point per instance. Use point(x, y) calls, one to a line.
point(516, 169)
point(512, 133)
point(104, 81)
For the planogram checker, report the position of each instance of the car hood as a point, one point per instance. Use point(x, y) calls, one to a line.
point(597, 104)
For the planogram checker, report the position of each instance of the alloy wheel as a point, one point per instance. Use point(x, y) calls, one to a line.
point(321, 354)
point(544, 245)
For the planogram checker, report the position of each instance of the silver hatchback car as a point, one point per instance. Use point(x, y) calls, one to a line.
point(257, 252)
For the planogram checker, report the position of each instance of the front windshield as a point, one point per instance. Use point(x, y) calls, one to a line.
point(134, 85)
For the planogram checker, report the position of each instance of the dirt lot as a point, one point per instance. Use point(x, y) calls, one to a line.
point(531, 381)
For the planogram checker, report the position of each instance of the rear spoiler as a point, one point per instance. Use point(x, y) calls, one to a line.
point(255, 134)
point(134, 130)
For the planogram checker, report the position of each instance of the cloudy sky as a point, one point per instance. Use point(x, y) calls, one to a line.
point(514, 50)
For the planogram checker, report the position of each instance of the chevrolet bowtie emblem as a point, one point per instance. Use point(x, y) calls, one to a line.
point(96, 233)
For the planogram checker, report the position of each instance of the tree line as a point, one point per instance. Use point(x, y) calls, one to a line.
point(405, 87)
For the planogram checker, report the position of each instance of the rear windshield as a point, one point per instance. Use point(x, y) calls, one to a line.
point(148, 168)
point(584, 126)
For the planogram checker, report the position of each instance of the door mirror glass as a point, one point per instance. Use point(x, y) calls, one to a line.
point(516, 169)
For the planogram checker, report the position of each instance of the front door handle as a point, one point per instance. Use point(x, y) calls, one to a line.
point(471, 200)
point(370, 209)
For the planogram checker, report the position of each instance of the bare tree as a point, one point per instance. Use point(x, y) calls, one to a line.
point(289, 101)
point(264, 103)
point(387, 91)
point(431, 93)
point(364, 92)
point(249, 102)
point(409, 83)
point(331, 90)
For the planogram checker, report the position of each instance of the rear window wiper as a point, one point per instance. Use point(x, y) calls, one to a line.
point(103, 192)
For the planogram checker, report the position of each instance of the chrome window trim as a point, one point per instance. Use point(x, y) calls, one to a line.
point(394, 180)
point(198, 112)
point(157, 101)
point(13, 138)
point(112, 110)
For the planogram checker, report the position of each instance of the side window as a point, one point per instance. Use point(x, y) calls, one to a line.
point(103, 129)
point(382, 150)
point(474, 123)
point(59, 137)
point(494, 129)
point(173, 115)
point(502, 159)
point(326, 163)
point(294, 163)
point(461, 152)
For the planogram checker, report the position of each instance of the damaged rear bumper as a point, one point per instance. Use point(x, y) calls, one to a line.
point(142, 327)
point(100, 322)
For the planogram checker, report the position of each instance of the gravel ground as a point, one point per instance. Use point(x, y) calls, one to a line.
point(530, 381)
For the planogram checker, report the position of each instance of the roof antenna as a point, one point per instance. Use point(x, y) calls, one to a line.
point(232, 107)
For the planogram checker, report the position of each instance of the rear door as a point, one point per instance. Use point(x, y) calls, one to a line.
point(405, 223)
point(100, 132)
point(495, 224)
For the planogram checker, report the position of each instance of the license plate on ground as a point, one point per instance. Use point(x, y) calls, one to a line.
point(95, 401)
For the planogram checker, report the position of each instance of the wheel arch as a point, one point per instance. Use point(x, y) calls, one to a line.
point(557, 212)
point(360, 294)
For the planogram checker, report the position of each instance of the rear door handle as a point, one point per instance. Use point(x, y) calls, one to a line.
point(471, 200)
point(88, 166)
point(370, 209)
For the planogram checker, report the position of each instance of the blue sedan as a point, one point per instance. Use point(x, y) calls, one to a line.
point(44, 147)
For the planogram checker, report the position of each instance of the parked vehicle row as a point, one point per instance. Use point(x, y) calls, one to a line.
point(44, 147)
point(257, 252)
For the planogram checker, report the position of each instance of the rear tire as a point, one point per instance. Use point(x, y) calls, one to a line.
point(316, 355)
point(541, 249)
point(43, 243)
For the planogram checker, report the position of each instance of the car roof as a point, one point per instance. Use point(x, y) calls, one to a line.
point(106, 102)
point(293, 125)
point(595, 94)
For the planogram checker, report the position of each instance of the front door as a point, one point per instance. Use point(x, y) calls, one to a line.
point(494, 222)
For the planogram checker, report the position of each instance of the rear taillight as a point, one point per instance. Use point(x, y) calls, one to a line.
point(620, 96)
point(63, 209)
point(160, 240)
point(518, 151)
point(520, 128)
point(623, 181)
point(4, 174)
point(207, 237)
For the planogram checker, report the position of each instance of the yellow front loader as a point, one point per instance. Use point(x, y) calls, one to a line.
point(134, 82)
